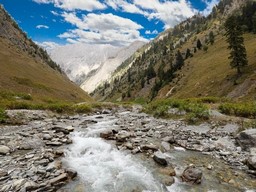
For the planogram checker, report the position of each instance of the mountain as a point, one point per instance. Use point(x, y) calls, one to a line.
point(88, 65)
point(27, 68)
point(109, 66)
point(172, 65)
point(77, 60)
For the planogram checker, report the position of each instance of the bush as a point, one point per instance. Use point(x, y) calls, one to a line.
point(247, 110)
point(82, 108)
point(195, 109)
point(3, 115)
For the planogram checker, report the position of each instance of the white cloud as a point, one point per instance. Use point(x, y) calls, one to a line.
point(88, 5)
point(148, 32)
point(209, 5)
point(102, 28)
point(169, 12)
point(42, 27)
point(124, 6)
point(55, 13)
point(48, 45)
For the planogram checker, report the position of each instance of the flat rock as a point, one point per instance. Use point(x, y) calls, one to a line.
point(4, 150)
point(60, 178)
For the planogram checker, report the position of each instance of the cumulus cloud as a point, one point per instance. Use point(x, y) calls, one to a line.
point(88, 5)
point(209, 5)
point(102, 28)
point(42, 27)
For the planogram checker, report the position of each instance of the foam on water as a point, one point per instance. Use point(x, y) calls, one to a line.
point(104, 168)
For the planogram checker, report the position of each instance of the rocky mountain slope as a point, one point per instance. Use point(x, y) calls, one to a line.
point(172, 65)
point(88, 65)
point(27, 68)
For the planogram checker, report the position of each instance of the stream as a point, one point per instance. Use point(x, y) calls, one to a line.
point(102, 166)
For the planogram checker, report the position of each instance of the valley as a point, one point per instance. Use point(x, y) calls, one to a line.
point(115, 105)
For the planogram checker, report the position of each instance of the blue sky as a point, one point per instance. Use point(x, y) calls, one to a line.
point(116, 22)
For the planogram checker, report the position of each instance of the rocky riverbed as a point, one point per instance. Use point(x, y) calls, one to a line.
point(122, 150)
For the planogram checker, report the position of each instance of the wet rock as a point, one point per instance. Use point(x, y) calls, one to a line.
point(251, 162)
point(106, 112)
point(71, 173)
point(4, 150)
point(54, 143)
point(168, 181)
point(60, 178)
point(128, 145)
point(160, 158)
point(122, 136)
point(54, 166)
point(192, 175)
point(43, 162)
point(247, 139)
point(167, 171)
point(209, 167)
point(108, 135)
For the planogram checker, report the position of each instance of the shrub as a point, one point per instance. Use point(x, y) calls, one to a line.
point(247, 110)
point(3, 115)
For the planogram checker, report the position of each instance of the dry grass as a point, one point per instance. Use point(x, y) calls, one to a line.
point(21, 73)
point(209, 74)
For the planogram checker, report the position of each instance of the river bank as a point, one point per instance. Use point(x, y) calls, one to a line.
point(133, 149)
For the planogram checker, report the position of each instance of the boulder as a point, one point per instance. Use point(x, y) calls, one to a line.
point(251, 161)
point(192, 175)
point(4, 150)
point(167, 171)
point(160, 158)
point(247, 139)
point(108, 135)
point(71, 173)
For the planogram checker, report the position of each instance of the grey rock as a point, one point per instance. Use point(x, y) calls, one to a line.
point(166, 145)
point(149, 147)
point(251, 162)
point(47, 137)
point(60, 178)
point(30, 186)
point(247, 139)
point(4, 150)
point(192, 175)
point(160, 158)
point(3, 173)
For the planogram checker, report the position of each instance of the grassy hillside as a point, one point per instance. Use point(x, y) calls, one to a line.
point(22, 73)
point(27, 71)
point(209, 74)
point(158, 73)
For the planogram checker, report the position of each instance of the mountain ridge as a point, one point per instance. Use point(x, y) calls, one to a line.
point(157, 73)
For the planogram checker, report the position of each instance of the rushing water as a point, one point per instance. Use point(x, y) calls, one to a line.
point(102, 167)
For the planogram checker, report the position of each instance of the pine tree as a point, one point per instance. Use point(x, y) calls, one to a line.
point(188, 54)
point(211, 38)
point(236, 44)
point(179, 60)
point(254, 23)
point(199, 44)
